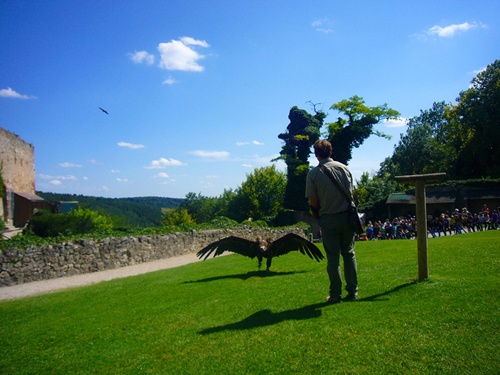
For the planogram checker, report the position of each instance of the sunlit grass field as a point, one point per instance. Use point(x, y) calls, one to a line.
point(222, 316)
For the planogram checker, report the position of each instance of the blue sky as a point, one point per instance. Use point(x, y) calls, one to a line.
point(198, 91)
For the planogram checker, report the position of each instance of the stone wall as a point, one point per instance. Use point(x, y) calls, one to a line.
point(17, 160)
point(18, 266)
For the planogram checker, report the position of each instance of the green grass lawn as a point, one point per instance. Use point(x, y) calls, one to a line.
point(221, 316)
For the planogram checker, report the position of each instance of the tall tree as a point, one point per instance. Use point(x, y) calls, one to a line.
point(421, 149)
point(370, 190)
point(302, 131)
point(204, 209)
point(260, 196)
point(348, 133)
point(474, 125)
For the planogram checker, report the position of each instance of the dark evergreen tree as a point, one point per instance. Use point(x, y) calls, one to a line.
point(302, 131)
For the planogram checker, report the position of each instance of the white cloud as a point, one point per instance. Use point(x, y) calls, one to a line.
point(49, 177)
point(323, 25)
point(247, 165)
point(211, 154)
point(476, 72)
point(163, 163)
point(140, 57)
point(206, 185)
point(257, 143)
point(69, 165)
point(452, 30)
point(130, 145)
point(169, 81)
point(56, 180)
point(115, 171)
point(260, 160)
point(187, 40)
point(391, 123)
point(161, 175)
point(9, 93)
point(178, 55)
point(122, 179)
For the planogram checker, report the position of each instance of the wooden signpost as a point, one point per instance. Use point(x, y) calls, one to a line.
point(419, 181)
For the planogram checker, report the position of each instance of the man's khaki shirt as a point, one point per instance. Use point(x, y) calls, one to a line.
point(319, 186)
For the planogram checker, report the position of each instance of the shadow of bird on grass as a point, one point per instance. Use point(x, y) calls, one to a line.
point(267, 318)
point(244, 276)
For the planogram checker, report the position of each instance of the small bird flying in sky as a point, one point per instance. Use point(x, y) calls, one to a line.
point(261, 248)
point(106, 112)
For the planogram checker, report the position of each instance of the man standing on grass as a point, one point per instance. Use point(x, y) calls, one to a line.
point(331, 208)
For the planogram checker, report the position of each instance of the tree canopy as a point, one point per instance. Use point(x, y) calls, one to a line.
point(348, 133)
point(473, 125)
point(345, 134)
point(460, 140)
point(259, 197)
point(420, 149)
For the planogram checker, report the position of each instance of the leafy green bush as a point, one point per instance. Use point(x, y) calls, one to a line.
point(79, 221)
point(220, 222)
point(91, 220)
point(256, 223)
point(46, 224)
point(176, 217)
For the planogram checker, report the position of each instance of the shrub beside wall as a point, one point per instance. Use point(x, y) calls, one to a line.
point(18, 266)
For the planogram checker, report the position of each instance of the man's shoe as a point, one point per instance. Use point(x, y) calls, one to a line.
point(332, 300)
point(351, 297)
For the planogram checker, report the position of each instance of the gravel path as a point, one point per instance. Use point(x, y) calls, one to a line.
point(46, 286)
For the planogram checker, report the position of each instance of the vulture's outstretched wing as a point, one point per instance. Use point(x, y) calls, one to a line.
point(232, 243)
point(294, 242)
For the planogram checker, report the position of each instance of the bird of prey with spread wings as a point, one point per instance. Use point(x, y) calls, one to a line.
point(262, 248)
point(106, 112)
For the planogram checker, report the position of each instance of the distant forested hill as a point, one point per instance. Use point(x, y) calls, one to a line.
point(136, 212)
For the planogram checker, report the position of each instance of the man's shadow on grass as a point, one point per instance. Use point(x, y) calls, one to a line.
point(244, 276)
point(379, 297)
point(267, 317)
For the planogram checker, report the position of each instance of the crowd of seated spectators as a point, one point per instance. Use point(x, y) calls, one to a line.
point(457, 222)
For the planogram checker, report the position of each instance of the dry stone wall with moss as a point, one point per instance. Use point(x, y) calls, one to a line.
point(18, 266)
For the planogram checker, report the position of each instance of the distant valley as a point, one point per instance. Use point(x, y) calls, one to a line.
point(139, 212)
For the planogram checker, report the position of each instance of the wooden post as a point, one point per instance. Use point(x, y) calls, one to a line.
point(421, 211)
point(421, 208)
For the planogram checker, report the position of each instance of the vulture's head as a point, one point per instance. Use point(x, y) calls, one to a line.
point(263, 244)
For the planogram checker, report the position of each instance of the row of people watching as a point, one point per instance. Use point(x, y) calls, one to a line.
point(463, 222)
point(457, 222)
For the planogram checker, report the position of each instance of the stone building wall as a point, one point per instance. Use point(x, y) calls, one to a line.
point(17, 160)
point(18, 266)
